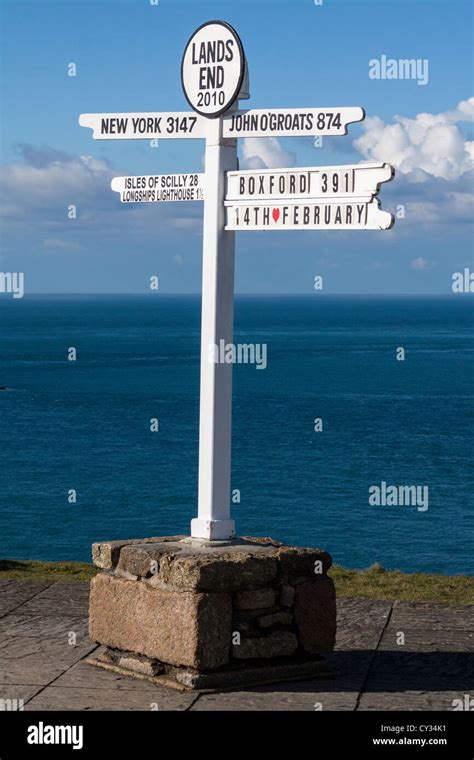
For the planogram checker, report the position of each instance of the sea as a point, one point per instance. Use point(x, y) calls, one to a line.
point(337, 412)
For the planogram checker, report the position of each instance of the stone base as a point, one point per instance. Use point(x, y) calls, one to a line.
point(203, 616)
point(232, 677)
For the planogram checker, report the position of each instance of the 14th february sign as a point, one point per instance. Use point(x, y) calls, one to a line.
point(310, 216)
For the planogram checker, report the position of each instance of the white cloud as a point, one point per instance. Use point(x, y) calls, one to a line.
point(265, 153)
point(66, 245)
point(463, 112)
point(430, 142)
point(44, 185)
point(39, 188)
point(419, 263)
point(186, 223)
point(375, 266)
point(434, 162)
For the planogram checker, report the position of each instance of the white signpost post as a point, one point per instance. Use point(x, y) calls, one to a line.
point(215, 76)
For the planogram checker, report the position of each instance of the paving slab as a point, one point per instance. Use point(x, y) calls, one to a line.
point(358, 637)
point(425, 639)
point(308, 699)
point(50, 626)
point(60, 598)
point(421, 671)
point(85, 676)
point(364, 613)
point(453, 617)
point(37, 659)
point(17, 692)
point(15, 593)
point(409, 700)
point(350, 668)
point(69, 698)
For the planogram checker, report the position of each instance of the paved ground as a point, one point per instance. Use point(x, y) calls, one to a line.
point(43, 642)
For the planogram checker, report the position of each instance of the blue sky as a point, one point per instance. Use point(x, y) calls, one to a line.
point(128, 55)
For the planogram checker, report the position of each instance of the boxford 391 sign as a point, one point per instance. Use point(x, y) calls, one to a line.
point(214, 77)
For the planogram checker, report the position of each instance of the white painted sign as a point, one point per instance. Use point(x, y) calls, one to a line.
point(213, 68)
point(156, 188)
point(291, 122)
point(334, 214)
point(313, 182)
point(144, 126)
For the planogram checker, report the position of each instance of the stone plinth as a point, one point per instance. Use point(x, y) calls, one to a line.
point(206, 615)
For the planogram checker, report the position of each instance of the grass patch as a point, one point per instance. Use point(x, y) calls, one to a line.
point(32, 570)
point(373, 583)
point(393, 585)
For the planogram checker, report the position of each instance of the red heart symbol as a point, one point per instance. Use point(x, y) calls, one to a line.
point(276, 214)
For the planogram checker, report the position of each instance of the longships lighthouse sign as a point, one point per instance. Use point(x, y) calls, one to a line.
point(215, 77)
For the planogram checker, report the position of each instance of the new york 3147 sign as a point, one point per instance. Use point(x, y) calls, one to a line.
point(214, 76)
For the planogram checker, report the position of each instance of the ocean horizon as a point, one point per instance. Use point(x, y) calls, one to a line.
point(84, 425)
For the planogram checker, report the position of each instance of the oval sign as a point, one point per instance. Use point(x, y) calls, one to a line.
point(213, 68)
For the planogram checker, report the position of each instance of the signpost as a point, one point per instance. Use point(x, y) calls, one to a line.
point(214, 76)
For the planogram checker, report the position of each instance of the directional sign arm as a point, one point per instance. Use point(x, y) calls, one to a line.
point(156, 188)
point(359, 180)
point(335, 214)
point(291, 122)
point(166, 125)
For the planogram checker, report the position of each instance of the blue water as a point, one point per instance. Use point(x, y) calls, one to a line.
point(84, 425)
